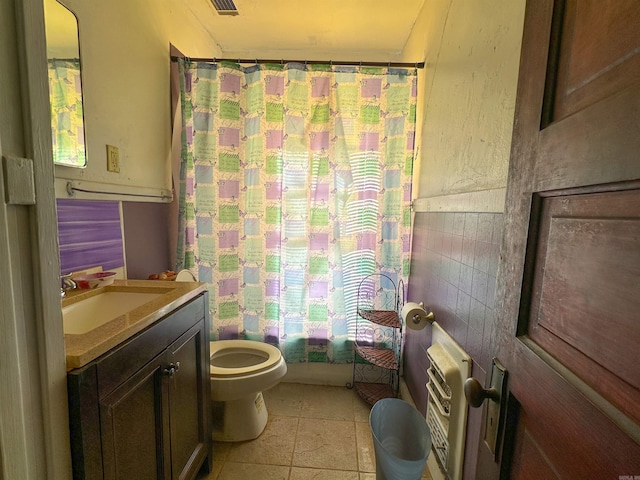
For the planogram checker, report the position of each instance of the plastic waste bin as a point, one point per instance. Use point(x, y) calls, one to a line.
point(401, 439)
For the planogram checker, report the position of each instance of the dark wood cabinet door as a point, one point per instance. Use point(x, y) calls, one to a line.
point(134, 426)
point(188, 402)
point(568, 327)
point(141, 411)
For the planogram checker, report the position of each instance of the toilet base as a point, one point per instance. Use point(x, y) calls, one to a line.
point(239, 420)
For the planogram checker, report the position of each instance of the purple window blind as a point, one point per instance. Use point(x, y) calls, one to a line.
point(89, 234)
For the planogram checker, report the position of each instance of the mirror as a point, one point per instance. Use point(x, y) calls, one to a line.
point(65, 85)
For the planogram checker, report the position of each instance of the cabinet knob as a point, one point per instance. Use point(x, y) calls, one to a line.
point(171, 370)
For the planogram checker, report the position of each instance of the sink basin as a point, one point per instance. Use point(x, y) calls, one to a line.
point(90, 313)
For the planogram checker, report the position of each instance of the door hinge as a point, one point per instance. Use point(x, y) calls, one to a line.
point(19, 185)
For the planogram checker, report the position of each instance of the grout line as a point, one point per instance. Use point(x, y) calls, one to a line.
point(295, 442)
point(355, 436)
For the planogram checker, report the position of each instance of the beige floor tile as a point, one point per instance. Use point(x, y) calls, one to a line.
point(331, 403)
point(251, 471)
point(372, 476)
point(361, 409)
point(221, 451)
point(285, 399)
point(314, 432)
point(326, 444)
point(274, 446)
point(366, 452)
point(213, 474)
point(320, 474)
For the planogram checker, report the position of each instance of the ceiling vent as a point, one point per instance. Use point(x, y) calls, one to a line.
point(225, 7)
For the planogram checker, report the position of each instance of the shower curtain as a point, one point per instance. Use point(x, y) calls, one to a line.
point(295, 183)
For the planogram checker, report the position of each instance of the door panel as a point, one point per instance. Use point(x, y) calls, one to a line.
point(566, 421)
point(530, 460)
point(580, 149)
point(585, 273)
point(568, 327)
point(598, 52)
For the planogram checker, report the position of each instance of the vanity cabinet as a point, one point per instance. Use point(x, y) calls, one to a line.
point(142, 410)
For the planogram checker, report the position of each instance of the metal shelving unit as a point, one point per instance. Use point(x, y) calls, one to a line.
point(378, 338)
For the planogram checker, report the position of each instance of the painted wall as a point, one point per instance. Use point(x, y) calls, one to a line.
point(125, 48)
point(125, 67)
point(469, 86)
point(146, 233)
point(471, 56)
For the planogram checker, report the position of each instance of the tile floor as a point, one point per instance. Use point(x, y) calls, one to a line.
point(313, 432)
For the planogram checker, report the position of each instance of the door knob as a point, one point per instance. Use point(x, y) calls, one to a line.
point(476, 394)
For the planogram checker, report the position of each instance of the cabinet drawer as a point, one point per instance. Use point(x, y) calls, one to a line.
point(118, 365)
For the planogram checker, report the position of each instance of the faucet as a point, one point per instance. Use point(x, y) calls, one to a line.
point(67, 283)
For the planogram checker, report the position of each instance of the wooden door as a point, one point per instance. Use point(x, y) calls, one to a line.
point(134, 426)
point(188, 402)
point(568, 322)
point(34, 432)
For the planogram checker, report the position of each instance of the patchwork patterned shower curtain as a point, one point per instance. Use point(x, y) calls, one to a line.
point(295, 184)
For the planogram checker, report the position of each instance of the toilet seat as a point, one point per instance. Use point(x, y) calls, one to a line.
point(270, 355)
point(185, 276)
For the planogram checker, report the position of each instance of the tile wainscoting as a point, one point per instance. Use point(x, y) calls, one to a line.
point(454, 263)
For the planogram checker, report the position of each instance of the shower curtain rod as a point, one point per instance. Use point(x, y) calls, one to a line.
point(306, 62)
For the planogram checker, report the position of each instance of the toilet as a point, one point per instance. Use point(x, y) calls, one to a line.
point(240, 371)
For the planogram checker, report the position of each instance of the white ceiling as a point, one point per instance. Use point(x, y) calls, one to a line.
point(340, 30)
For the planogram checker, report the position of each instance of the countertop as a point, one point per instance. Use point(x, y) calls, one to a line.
point(81, 349)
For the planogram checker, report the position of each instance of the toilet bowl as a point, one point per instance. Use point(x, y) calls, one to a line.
point(240, 371)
